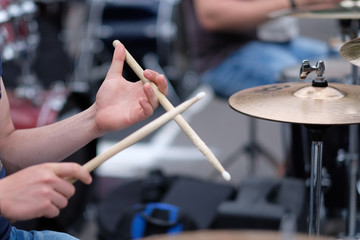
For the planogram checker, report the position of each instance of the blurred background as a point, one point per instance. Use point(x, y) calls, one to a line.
point(56, 54)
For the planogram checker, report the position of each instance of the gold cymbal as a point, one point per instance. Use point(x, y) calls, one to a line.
point(350, 51)
point(301, 103)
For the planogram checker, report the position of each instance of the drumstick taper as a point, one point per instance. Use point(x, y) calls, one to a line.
point(178, 119)
point(140, 134)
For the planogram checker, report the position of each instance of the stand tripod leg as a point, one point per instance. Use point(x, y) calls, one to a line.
point(252, 149)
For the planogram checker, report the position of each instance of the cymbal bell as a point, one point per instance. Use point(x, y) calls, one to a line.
point(350, 51)
point(301, 103)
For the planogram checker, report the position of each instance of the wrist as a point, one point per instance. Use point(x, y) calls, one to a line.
point(95, 130)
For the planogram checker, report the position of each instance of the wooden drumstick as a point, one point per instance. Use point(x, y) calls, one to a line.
point(139, 134)
point(178, 119)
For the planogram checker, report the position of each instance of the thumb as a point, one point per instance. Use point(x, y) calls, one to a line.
point(118, 59)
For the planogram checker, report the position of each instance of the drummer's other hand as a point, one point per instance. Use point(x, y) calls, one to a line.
point(40, 190)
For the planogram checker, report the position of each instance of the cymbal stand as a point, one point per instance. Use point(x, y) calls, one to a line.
point(351, 28)
point(353, 157)
point(316, 133)
point(353, 173)
point(252, 149)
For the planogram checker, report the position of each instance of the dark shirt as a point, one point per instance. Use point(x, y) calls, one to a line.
point(210, 48)
point(5, 226)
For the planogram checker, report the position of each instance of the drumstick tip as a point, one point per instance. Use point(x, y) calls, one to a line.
point(116, 42)
point(226, 176)
point(201, 95)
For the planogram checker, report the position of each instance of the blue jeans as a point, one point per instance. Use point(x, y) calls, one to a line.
point(259, 63)
point(17, 234)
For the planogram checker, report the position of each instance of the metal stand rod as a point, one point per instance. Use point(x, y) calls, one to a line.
point(351, 28)
point(352, 170)
point(353, 153)
point(354, 73)
point(315, 187)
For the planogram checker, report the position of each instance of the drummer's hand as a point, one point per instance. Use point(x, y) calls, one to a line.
point(120, 103)
point(316, 4)
point(40, 190)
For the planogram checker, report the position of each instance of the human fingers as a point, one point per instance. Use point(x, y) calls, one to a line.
point(151, 97)
point(34, 192)
point(69, 170)
point(51, 212)
point(117, 63)
point(57, 201)
point(148, 109)
point(158, 79)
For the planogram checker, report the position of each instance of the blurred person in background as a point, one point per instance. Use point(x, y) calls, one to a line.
point(237, 45)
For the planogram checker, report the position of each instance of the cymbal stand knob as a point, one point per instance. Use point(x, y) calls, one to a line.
point(306, 68)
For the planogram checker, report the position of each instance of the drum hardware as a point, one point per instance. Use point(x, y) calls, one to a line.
point(317, 107)
point(4, 16)
point(319, 68)
point(349, 51)
point(347, 12)
point(349, 28)
point(341, 156)
point(316, 133)
point(28, 7)
point(252, 149)
point(353, 165)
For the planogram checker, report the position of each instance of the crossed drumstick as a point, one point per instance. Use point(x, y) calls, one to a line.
point(172, 113)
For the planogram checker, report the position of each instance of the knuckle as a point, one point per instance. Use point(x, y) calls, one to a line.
point(45, 191)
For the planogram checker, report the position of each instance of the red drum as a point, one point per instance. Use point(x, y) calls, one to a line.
point(38, 111)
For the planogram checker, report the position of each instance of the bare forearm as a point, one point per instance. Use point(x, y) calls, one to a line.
point(119, 104)
point(242, 15)
point(49, 143)
point(235, 15)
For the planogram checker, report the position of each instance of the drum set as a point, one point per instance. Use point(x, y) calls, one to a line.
point(18, 28)
point(317, 105)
